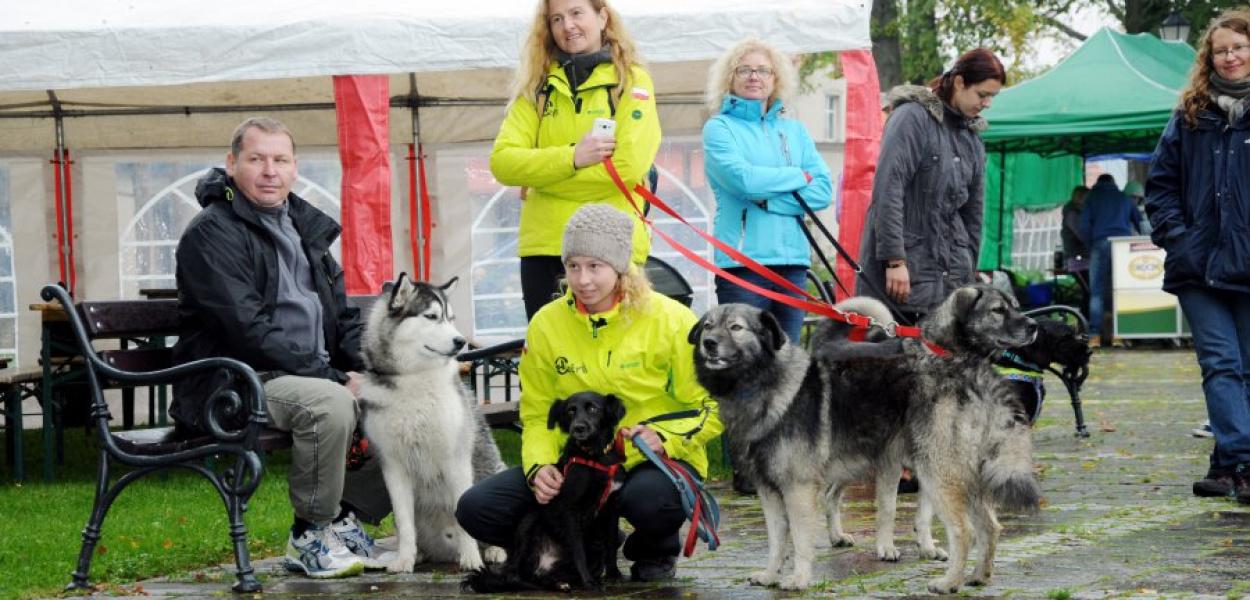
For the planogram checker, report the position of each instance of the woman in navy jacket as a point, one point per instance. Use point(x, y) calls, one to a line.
point(756, 159)
point(1198, 199)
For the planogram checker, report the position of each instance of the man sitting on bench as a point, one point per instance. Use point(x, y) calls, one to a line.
point(257, 283)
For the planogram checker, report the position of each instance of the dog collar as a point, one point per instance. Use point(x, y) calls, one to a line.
point(1016, 360)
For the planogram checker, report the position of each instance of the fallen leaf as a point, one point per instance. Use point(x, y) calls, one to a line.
point(167, 544)
point(101, 549)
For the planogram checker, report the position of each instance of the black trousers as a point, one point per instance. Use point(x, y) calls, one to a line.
point(491, 510)
point(540, 279)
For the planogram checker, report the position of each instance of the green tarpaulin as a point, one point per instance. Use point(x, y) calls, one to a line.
point(1113, 94)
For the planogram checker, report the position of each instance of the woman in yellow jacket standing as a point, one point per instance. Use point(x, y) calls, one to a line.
point(578, 65)
point(610, 333)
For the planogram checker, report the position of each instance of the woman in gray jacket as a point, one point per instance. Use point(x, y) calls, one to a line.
point(924, 225)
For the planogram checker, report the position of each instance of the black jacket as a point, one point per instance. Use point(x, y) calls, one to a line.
point(227, 278)
point(1198, 199)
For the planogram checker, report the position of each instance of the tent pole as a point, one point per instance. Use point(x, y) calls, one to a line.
point(418, 165)
point(60, 164)
point(1002, 202)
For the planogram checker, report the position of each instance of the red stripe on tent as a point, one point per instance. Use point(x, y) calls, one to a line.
point(863, 144)
point(362, 106)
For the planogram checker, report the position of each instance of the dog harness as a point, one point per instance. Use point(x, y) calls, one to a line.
point(1027, 372)
point(610, 470)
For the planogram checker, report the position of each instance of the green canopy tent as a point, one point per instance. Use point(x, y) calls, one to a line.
point(1114, 94)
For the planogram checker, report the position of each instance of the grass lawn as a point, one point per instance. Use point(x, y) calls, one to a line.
point(160, 525)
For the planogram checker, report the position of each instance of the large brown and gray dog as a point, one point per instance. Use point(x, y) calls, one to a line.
point(800, 425)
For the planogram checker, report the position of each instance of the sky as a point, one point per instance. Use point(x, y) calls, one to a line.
point(1050, 51)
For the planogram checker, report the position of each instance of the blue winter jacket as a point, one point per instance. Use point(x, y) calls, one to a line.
point(1198, 199)
point(753, 164)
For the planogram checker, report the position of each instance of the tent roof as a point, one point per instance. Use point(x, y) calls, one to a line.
point(110, 43)
point(1113, 94)
point(156, 73)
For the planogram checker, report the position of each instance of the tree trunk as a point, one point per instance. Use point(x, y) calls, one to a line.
point(885, 46)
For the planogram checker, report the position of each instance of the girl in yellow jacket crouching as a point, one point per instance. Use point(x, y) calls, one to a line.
point(610, 333)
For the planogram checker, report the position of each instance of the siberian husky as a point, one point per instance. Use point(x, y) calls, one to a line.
point(432, 440)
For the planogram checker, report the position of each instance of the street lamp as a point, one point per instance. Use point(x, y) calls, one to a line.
point(1174, 28)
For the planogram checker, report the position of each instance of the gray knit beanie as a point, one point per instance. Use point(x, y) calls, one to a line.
point(600, 231)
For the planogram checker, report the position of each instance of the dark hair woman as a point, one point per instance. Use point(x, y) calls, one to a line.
point(924, 226)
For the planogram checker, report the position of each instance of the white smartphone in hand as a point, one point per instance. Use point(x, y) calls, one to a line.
point(603, 128)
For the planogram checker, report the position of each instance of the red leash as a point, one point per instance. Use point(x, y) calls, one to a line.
point(805, 302)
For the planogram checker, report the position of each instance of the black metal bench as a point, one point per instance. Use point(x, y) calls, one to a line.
point(237, 468)
point(235, 420)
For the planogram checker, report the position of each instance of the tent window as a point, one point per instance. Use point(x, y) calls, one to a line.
point(1036, 236)
point(156, 201)
point(498, 311)
point(8, 283)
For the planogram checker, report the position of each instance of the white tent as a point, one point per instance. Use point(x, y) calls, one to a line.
point(109, 80)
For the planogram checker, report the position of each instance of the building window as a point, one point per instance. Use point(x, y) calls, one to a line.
point(834, 130)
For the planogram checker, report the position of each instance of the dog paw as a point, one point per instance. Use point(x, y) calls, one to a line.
point(764, 578)
point(943, 586)
point(495, 555)
point(845, 540)
point(888, 553)
point(795, 581)
point(403, 563)
point(933, 553)
point(471, 562)
point(979, 579)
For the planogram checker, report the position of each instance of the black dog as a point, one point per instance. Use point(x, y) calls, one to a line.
point(570, 542)
point(1057, 343)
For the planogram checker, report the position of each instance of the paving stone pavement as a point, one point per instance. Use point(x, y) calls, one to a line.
point(1119, 519)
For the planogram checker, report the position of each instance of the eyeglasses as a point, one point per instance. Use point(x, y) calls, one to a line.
point(747, 72)
point(1239, 50)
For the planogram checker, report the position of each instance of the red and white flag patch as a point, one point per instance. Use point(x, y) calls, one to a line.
point(640, 94)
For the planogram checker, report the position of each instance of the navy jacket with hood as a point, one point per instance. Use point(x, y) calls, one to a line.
point(1198, 199)
point(227, 277)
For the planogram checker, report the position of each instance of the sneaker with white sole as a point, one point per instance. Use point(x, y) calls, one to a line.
point(361, 544)
point(1203, 431)
point(320, 554)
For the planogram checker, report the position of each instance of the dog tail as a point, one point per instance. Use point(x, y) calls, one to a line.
point(488, 581)
point(1007, 471)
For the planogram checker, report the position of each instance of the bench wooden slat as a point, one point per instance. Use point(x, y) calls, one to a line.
point(159, 441)
point(130, 318)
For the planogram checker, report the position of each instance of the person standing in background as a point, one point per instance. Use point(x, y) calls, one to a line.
point(757, 159)
point(1137, 194)
point(923, 231)
point(578, 65)
point(1106, 213)
point(1198, 199)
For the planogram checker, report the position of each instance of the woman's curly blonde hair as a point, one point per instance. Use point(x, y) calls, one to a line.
point(1197, 94)
point(540, 48)
point(633, 287)
point(720, 79)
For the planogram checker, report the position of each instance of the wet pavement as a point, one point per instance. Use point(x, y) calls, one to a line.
point(1119, 519)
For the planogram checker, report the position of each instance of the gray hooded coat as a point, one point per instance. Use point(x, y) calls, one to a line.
point(928, 199)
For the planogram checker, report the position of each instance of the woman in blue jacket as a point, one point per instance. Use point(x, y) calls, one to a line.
point(1198, 199)
point(756, 158)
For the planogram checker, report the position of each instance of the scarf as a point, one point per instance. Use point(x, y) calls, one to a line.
point(577, 67)
point(1231, 96)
